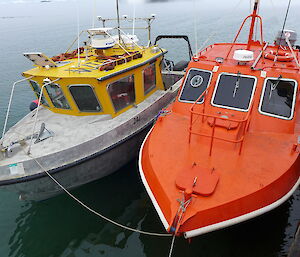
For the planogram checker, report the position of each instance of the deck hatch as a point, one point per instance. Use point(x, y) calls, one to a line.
point(278, 98)
point(195, 84)
point(234, 91)
point(85, 98)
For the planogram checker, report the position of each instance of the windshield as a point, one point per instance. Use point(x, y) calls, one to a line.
point(278, 98)
point(234, 91)
point(195, 84)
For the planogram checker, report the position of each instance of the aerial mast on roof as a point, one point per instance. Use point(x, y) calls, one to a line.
point(253, 20)
point(118, 19)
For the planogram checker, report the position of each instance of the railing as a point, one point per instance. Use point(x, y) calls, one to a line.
point(9, 104)
point(243, 124)
point(37, 112)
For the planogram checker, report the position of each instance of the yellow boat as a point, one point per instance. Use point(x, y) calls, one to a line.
point(95, 105)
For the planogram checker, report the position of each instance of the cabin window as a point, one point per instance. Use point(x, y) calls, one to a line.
point(149, 74)
point(57, 96)
point(122, 92)
point(85, 98)
point(234, 91)
point(195, 84)
point(278, 98)
point(37, 91)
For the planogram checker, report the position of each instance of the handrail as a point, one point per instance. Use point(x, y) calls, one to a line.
point(215, 117)
point(9, 104)
point(124, 34)
point(37, 111)
point(75, 40)
point(253, 16)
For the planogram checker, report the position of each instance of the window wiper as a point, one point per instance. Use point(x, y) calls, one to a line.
point(237, 84)
point(274, 86)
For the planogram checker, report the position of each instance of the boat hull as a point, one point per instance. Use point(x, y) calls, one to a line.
point(88, 161)
point(105, 162)
point(217, 216)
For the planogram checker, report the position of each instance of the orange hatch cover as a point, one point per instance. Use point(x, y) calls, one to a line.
point(197, 180)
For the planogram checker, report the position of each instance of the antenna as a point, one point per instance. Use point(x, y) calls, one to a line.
point(133, 22)
point(78, 36)
point(93, 13)
point(195, 27)
point(118, 19)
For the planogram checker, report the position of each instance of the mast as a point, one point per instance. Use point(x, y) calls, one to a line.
point(118, 19)
point(253, 20)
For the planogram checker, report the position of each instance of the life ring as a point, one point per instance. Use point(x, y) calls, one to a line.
point(280, 56)
point(108, 66)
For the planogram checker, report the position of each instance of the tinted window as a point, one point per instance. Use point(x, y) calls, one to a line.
point(122, 92)
point(234, 91)
point(57, 97)
point(37, 90)
point(149, 78)
point(85, 98)
point(278, 97)
point(194, 85)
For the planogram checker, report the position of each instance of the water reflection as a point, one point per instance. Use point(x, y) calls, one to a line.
point(60, 227)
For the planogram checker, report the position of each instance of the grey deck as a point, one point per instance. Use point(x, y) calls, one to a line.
point(76, 139)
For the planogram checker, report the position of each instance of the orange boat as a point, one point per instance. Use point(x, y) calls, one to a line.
point(227, 150)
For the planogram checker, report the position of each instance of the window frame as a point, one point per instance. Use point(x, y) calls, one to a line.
point(43, 95)
point(183, 85)
point(110, 83)
point(60, 87)
point(234, 108)
point(155, 85)
point(293, 103)
point(74, 85)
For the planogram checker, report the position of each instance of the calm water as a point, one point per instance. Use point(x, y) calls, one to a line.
point(59, 227)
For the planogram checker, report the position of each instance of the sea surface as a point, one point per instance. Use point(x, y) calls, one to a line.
point(59, 226)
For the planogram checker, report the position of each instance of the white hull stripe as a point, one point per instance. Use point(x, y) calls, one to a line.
point(250, 215)
point(158, 210)
point(216, 226)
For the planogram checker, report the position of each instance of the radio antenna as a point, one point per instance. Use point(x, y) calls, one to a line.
point(118, 19)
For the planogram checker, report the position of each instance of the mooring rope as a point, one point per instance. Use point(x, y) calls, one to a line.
point(172, 245)
point(97, 213)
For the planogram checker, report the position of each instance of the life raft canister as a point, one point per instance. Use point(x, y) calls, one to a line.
point(280, 56)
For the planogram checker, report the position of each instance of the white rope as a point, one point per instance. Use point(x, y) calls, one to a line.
point(172, 245)
point(93, 211)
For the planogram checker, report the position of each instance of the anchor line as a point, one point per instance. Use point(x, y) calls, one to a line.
point(92, 210)
point(172, 245)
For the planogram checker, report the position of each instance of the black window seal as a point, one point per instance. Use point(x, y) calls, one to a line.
point(75, 85)
point(294, 99)
point(107, 87)
point(183, 85)
point(228, 107)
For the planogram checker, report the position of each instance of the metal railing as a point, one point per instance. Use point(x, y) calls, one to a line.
point(242, 127)
point(9, 104)
point(37, 112)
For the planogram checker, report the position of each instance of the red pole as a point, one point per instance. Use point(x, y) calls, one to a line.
point(254, 16)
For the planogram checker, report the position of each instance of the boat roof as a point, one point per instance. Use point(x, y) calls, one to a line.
point(216, 55)
point(100, 30)
point(91, 67)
